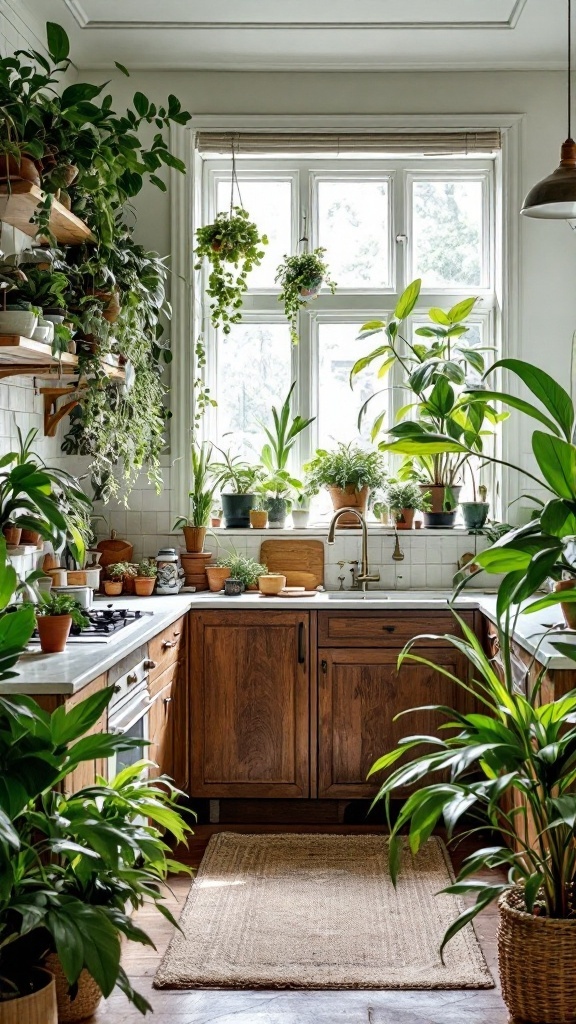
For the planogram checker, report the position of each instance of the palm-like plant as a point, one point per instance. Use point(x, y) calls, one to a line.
point(276, 452)
point(204, 484)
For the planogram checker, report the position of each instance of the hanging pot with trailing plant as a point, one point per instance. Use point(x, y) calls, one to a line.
point(301, 277)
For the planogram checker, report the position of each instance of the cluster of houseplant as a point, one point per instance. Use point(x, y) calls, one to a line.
point(131, 578)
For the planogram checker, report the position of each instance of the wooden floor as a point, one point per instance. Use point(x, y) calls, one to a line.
point(483, 1006)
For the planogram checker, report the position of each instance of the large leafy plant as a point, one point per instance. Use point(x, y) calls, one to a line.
point(437, 372)
point(232, 246)
point(276, 452)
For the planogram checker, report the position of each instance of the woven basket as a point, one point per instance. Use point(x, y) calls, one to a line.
point(536, 959)
point(87, 997)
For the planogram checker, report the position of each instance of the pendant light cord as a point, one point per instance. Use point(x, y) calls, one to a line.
point(569, 69)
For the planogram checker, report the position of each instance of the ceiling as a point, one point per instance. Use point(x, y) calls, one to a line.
point(312, 34)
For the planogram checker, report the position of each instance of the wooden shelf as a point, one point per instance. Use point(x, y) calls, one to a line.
point(18, 203)
point(72, 395)
point(24, 355)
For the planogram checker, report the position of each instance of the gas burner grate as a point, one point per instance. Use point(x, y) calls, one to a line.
point(104, 625)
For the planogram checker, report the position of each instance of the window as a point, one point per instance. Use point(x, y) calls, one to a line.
point(383, 222)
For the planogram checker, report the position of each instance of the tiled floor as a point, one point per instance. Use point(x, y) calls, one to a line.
point(270, 1007)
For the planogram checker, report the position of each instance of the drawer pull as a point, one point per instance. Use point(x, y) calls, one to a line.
point(176, 632)
point(132, 677)
point(149, 663)
point(167, 700)
point(169, 643)
point(324, 665)
point(389, 629)
point(301, 644)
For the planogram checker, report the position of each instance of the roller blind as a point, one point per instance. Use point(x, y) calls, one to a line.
point(426, 143)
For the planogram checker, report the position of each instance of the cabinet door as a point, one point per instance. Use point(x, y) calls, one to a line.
point(360, 692)
point(250, 704)
point(161, 731)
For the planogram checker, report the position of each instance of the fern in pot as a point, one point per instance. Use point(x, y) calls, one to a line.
point(301, 277)
point(403, 500)
point(349, 473)
point(232, 247)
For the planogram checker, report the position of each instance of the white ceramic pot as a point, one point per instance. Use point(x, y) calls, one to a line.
point(93, 577)
point(83, 595)
point(42, 334)
point(19, 322)
point(54, 318)
point(300, 517)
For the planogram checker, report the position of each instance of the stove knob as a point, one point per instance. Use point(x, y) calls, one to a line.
point(117, 689)
point(132, 677)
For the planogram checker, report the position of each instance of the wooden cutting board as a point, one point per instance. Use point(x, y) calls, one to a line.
point(293, 558)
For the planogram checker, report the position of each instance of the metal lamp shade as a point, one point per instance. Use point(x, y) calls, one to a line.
point(554, 198)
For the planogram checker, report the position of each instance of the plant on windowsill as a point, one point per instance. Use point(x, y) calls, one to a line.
point(232, 245)
point(201, 495)
point(437, 373)
point(301, 510)
point(301, 277)
point(403, 500)
point(242, 478)
point(279, 485)
point(55, 615)
point(349, 473)
point(145, 578)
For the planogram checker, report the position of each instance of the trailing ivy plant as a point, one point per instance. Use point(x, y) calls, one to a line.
point(232, 245)
point(301, 276)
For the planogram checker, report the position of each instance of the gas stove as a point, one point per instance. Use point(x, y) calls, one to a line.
point(106, 625)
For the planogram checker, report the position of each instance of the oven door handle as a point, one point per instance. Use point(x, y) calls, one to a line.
point(120, 730)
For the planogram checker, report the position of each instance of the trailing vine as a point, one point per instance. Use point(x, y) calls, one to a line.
point(232, 245)
point(301, 276)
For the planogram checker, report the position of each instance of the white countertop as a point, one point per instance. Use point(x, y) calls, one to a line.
point(68, 672)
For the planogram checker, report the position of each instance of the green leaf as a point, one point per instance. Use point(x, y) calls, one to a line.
point(516, 403)
point(141, 104)
point(439, 316)
point(461, 310)
point(559, 518)
point(408, 300)
point(58, 42)
point(69, 725)
point(557, 461)
point(373, 325)
point(553, 397)
point(122, 69)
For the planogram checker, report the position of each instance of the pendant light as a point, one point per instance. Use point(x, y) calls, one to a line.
point(554, 198)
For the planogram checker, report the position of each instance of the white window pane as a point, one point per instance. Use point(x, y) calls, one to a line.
point(269, 206)
point(353, 226)
point(447, 233)
point(338, 404)
point(254, 373)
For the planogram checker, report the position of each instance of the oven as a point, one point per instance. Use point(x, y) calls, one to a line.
point(128, 709)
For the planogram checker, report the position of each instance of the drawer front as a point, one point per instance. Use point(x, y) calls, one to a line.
point(166, 647)
point(156, 681)
point(385, 628)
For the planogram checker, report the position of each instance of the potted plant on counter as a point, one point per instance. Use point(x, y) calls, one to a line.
point(301, 277)
point(475, 512)
point(201, 497)
point(55, 615)
point(242, 478)
point(145, 578)
point(301, 511)
point(114, 585)
point(232, 245)
point(349, 473)
point(403, 500)
point(279, 485)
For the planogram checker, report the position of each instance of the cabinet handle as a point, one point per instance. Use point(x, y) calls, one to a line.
point(301, 647)
point(389, 629)
point(149, 663)
point(166, 700)
point(324, 665)
point(169, 643)
point(175, 632)
point(132, 677)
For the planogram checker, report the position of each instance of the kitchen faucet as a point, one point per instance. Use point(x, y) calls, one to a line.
point(364, 576)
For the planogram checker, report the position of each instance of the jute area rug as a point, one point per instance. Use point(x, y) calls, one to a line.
point(319, 912)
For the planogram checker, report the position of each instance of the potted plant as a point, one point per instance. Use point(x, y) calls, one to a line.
point(114, 584)
point(216, 517)
point(242, 478)
point(259, 514)
point(301, 511)
point(279, 484)
point(475, 512)
point(201, 498)
point(145, 578)
point(443, 375)
point(245, 570)
point(232, 245)
point(349, 473)
point(301, 277)
point(403, 500)
point(55, 615)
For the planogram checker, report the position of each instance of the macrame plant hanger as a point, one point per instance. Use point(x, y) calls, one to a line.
point(234, 182)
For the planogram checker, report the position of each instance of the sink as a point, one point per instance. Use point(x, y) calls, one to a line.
point(358, 595)
point(391, 595)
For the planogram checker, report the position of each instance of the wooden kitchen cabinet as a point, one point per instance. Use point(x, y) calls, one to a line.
point(360, 691)
point(250, 704)
point(161, 730)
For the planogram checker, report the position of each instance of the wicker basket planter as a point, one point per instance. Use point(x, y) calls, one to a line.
point(536, 958)
point(87, 998)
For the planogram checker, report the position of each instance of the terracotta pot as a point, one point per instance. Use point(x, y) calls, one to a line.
point(13, 535)
point(113, 588)
point(65, 200)
point(405, 520)
point(349, 497)
point(536, 956)
point(12, 169)
point(258, 518)
point(216, 575)
point(50, 561)
point(53, 631)
point(58, 576)
point(436, 494)
point(144, 585)
point(215, 522)
point(194, 537)
point(87, 997)
point(31, 537)
point(128, 585)
point(271, 583)
point(37, 1008)
point(111, 301)
point(568, 607)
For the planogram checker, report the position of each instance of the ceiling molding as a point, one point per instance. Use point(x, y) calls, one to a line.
point(85, 22)
point(330, 65)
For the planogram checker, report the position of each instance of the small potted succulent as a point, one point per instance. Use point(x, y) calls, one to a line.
point(404, 498)
point(114, 584)
point(232, 245)
point(145, 579)
point(55, 615)
point(301, 278)
point(349, 473)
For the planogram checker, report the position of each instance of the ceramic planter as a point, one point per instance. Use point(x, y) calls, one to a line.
point(474, 514)
point(271, 583)
point(42, 334)
point(440, 516)
point(20, 322)
point(258, 518)
point(217, 574)
point(536, 957)
point(568, 607)
point(53, 631)
point(14, 169)
point(194, 537)
point(233, 588)
point(277, 512)
point(144, 585)
point(13, 535)
point(405, 519)
point(236, 509)
point(113, 588)
point(39, 1007)
point(349, 497)
point(300, 517)
point(215, 522)
point(311, 289)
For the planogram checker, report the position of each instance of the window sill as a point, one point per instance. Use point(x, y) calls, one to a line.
point(322, 530)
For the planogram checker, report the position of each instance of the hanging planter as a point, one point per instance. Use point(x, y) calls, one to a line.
point(301, 277)
point(232, 244)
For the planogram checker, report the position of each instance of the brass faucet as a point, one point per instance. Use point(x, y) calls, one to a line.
point(364, 576)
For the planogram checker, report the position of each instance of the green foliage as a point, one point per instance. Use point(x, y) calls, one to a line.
point(118, 570)
point(347, 466)
point(61, 604)
point(236, 473)
point(275, 454)
point(202, 398)
point(203, 487)
point(231, 241)
point(247, 570)
point(147, 568)
point(516, 746)
point(405, 495)
point(301, 277)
